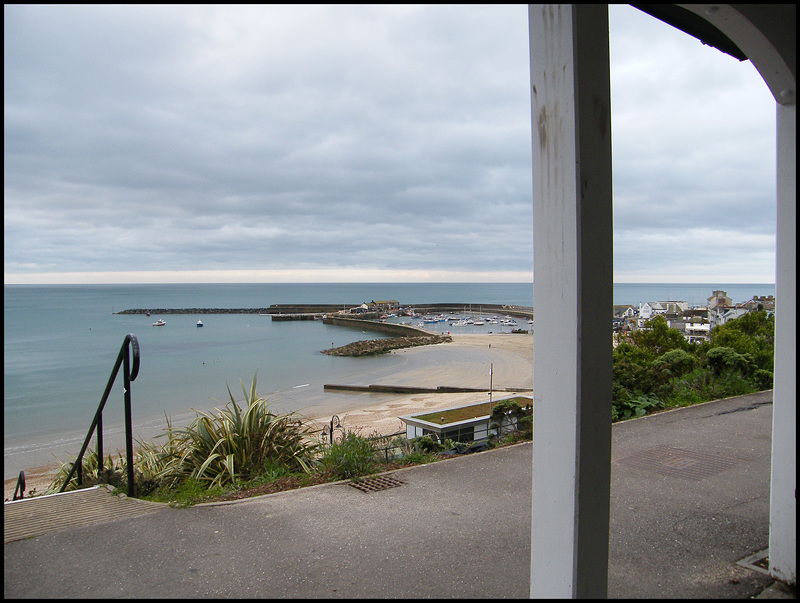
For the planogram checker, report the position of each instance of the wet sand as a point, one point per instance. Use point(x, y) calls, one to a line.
point(464, 362)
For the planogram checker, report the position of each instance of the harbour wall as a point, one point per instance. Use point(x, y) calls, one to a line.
point(380, 327)
point(318, 309)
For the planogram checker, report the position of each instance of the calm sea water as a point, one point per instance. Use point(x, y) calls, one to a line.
point(60, 344)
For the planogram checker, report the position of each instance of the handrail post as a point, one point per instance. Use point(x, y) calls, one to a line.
point(20, 486)
point(130, 374)
point(100, 446)
point(128, 420)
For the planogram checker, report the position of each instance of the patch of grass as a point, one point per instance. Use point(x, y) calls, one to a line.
point(185, 494)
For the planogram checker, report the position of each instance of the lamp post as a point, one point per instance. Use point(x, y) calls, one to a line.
point(491, 370)
point(334, 424)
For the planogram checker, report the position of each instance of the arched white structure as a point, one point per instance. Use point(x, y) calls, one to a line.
point(573, 251)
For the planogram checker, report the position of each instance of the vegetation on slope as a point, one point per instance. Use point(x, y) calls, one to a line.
point(656, 367)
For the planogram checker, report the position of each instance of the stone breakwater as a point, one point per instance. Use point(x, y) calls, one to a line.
point(284, 309)
point(381, 346)
point(273, 310)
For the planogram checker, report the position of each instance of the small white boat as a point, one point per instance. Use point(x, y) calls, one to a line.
point(199, 323)
point(159, 323)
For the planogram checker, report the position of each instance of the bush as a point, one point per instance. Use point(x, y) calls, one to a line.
point(763, 379)
point(232, 445)
point(657, 337)
point(752, 333)
point(677, 362)
point(723, 359)
point(634, 406)
point(425, 444)
point(352, 457)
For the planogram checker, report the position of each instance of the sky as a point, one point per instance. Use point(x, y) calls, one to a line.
point(356, 144)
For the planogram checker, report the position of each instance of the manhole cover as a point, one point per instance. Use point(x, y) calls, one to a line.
point(381, 482)
point(678, 463)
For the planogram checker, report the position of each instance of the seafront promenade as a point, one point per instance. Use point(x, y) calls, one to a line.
point(457, 528)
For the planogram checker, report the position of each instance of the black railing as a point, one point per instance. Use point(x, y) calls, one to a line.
point(388, 447)
point(20, 488)
point(129, 374)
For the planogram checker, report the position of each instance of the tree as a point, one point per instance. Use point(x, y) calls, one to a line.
point(658, 338)
point(722, 359)
point(753, 334)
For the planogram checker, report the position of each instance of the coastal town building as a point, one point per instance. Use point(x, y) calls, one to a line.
point(442, 427)
point(722, 314)
point(468, 423)
point(384, 306)
point(696, 332)
point(719, 299)
point(695, 323)
point(761, 302)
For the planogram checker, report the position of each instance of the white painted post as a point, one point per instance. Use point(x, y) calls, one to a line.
point(783, 484)
point(573, 282)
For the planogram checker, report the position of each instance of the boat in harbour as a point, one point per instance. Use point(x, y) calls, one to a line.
point(159, 323)
point(199, 323)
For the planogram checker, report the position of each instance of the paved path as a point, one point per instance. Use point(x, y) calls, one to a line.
point(681, 518)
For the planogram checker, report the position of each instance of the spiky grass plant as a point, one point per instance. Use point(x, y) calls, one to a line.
point(113, 473)
point(237, 443)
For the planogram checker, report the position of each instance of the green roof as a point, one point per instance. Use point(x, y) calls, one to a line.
point(463, 413)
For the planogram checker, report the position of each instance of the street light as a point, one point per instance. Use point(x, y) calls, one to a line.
point(334, 424)
point(491, 370)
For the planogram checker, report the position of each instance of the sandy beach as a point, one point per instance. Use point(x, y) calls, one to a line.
point(464, 362)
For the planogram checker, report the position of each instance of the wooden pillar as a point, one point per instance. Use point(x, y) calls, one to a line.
point(573, 284)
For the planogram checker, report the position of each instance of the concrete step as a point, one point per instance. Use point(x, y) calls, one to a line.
point(40, 515)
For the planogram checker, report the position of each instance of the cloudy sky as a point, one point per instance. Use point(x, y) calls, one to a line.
point(357, 143)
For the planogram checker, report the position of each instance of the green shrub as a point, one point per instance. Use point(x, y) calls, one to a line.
point(677, 362)
point(634, 406)
point(724, 359)
point(752, 333)
point(425, 444)
point(763, 379)
point(512, 421)
point(351, 457)
point(113, 473)
point(232, 445)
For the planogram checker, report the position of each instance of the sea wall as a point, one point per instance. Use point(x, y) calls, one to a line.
point(380, 327)
point(274, 309)
point(410, 389)
point(304, 309)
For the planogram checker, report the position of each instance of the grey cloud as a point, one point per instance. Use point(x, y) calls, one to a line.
point(215, 137)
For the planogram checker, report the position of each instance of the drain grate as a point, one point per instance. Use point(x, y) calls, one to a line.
point(678, 463)
point(374, 484)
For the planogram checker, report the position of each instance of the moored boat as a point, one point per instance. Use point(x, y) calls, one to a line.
point(199, 323)
point(159, 323)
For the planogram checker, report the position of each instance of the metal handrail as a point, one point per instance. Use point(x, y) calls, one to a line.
point(20, 486)
point(129, 374)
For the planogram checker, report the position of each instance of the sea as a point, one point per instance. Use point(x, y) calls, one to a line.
point(61, 342)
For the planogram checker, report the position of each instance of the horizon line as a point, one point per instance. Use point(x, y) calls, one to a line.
point(337, 276)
